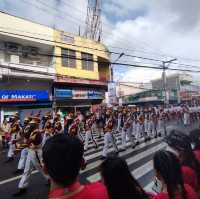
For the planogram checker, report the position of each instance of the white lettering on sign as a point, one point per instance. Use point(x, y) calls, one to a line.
point(4, 97)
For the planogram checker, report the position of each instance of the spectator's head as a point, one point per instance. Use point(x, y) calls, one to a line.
point(168, 171)
point(63, 156)
point(195, 138)
point(119, 181)
point(180, 144)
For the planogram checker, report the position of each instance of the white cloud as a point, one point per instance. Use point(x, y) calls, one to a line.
point(169, 27)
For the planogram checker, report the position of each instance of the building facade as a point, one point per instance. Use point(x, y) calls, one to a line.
point(82, 72)
point(26, 76)
point(41, 68)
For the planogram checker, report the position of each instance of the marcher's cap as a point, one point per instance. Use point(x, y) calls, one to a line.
point(179, 141)
point(35, 120)
point(16, 115)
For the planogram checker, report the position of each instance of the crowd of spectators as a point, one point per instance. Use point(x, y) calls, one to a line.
point(177, 171)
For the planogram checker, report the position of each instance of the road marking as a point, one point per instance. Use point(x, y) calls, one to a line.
point(14, 178)
point(95, 177)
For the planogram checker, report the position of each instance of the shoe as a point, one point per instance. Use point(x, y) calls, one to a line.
point(48, 183)
point(9, 160)
point(18, 171)
point(122, 150)
point(103, 157)
point(20, 192)
point(133, 146)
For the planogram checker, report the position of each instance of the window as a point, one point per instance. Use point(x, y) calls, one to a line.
point(68, 58)
point(87, 65)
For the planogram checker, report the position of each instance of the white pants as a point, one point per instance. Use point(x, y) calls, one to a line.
point(88, 137)
point(45, 138)
point(22, 160)
point(127, 133)
point(108, 137)
point(32, 161)
point(11, 149)
point(137, 132)
point(186, 119)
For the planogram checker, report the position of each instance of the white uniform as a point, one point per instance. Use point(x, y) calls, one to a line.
point(108, 138)
point(126, 131)
point(88, 134)
point(34, 160)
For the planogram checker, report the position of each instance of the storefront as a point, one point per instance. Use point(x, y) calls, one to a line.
point(24, 102)
point(74, 99)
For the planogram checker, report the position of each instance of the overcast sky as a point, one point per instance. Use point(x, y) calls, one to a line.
point(161, 29)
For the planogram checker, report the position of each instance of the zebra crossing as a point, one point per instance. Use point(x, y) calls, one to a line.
point(139, 160)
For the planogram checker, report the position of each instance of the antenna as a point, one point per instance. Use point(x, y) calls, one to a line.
point(93, 20)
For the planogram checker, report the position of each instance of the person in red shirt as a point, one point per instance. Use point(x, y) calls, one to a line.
point(180, 144)
point(195, 138)
point(63, 159)
point(119, 181)
point(169, 174)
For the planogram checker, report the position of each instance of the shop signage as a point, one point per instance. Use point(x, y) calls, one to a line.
point(63, 93)
point(95, 95)
point(80, 94)
point(23, 95)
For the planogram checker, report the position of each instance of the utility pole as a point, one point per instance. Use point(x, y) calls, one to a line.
point(164, 79)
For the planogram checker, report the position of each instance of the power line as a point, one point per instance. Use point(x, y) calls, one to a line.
point(103, 62)
point(90, 48)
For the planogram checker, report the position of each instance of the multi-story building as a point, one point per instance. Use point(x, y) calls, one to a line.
point(180, 88)
point(26, 76)
point(41, 67)
point(82, 72)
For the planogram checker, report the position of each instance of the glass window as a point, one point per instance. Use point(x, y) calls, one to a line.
point(87, 65)
point(68, 58)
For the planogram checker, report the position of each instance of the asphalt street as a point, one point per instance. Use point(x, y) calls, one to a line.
point(138, 159)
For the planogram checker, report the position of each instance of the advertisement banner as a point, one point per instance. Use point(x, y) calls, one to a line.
point(23, 95)
point(63, 93)
point(95, 95)
point(80, 94)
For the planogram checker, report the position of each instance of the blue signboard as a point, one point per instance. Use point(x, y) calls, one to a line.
point(95, 95)
point(23, 95)
point(63, 93)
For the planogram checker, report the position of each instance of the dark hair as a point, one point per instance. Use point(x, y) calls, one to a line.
point(119, 181)
point(182, 143)
point(195, 138)
point(62, 156)
point(167, 165)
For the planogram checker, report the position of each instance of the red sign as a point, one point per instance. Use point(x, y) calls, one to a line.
point(65, 79)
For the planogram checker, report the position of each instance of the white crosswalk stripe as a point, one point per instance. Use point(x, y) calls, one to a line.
point(138, 159)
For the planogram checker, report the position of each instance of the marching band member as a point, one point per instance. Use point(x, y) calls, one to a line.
point(15, 131)
point(22, 146)
point(34, 157)
point(88, 131)
point(108, 136)
point(126, 131)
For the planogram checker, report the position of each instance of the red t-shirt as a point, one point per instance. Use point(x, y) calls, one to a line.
point(190, 194)
point(93, 191)
point(197, 155)
point(190, 177)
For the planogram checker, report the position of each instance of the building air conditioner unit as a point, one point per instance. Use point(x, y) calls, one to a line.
point(12, 47)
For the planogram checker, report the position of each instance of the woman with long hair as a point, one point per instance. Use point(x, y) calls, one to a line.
point(180, 144)
point(119, 181)
point(168, 172)
point(195, 139)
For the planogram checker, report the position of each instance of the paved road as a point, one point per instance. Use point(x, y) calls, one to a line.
point(138, 159)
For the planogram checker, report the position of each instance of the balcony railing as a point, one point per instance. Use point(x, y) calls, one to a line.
point(32, 65)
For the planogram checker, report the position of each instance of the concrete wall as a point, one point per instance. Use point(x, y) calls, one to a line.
point(15, 25)
point(80, 44)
